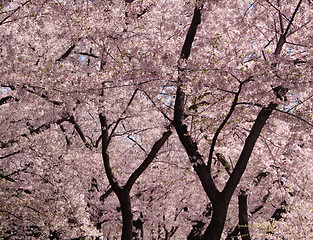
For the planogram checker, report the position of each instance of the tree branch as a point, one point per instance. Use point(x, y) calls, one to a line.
point(231, 110)
point(196, 20)
point(4, 100)
point(45, 97)
point(134, 141)
point(283, 36)
point(4, 211)
point(106, 160)
point(105, 195)
point(47, 125)
point(191, 148)
point(278, 10)
point(293, 115)
point(87, 54)
point(6, 177)
point(10, 154)
point(67, 53)
point(152, 154)
point(293, 17)
point(120, 118)
point(79, 131)
point(181, 129)
point(242, 162)
point(14, 11)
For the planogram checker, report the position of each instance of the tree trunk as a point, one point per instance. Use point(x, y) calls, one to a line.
point(243, 217)
point(127, 216)
point(216, 226)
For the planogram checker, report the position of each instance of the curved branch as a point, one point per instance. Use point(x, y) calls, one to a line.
point(293, 115)
point(4, 100)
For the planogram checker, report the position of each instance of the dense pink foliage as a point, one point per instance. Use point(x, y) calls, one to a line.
point(93, 88)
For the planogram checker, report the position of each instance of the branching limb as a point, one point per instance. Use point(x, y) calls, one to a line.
point(120, 119)
point(272, 5)
point(283, 35)
point(191, 148)
point(230, 112)
point(152, 154)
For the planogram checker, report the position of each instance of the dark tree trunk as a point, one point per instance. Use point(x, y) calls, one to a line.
point(127, 216)
point(243, 217)
point(216, 226)
point(243, 225)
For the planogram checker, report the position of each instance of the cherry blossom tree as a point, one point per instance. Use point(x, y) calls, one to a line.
point(156, 119)
point(220, 199)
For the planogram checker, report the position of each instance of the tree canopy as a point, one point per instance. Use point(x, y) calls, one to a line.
point(156, 119)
